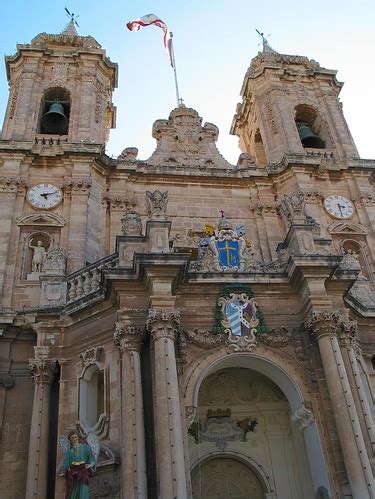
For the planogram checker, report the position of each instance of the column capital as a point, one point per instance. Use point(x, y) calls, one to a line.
point(348, 334)
point(323, 323)
point(163, 323)
point(127, 337)
point(42, 370)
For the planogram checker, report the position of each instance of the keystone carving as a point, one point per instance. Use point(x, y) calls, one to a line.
point(91, 356)
point(303, 417)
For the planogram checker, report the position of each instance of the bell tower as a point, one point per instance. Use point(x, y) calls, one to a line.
point(60, 85)
point(290, 106)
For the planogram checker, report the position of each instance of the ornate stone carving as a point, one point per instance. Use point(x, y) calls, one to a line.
point(261, 208)
point(127, 337)
point(9, 184)
point(119, 201)
point(42, 370)
point(45, 40)
point(190, 413)
point(220, 428)
point(54, 261)
point(302, 416)
point(41, 219)
point(361, 296)
point(163, 323)
point(156, 204)
point(368, 199)
point(246, 159)
point(131, 224)
point(128, 154)
point(240, 321)
point(276, 338)
point(348, 334)
point(322, 323)
point(182, 142)
point(78, 186)
point(91, 356)
point(204, 339)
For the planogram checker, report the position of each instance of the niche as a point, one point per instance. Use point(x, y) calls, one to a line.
point(92, 397)
point(259, 152)
point(311, 129)
point(55, 112)
point(355, 247)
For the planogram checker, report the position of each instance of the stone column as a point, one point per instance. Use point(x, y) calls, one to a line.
point(172, 482)
point(325, 326)
point(134, 478)
point(42, 371)
point(350, 350)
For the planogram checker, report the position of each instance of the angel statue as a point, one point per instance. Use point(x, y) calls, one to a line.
point(79, 462)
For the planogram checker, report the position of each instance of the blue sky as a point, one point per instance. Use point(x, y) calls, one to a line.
point(214, 42)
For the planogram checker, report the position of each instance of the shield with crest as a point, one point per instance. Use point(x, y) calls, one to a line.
point(239, 316)
point(229, 253)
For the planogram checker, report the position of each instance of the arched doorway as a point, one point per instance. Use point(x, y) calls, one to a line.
point(225, 478)
point(295, 467)
point(242, 412)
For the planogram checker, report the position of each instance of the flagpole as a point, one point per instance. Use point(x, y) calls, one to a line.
point(179, 101)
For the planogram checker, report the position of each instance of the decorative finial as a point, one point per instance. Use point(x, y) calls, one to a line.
point(71, 28)
point(266, 46)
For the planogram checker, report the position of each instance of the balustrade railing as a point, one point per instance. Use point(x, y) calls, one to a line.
point(88, 280)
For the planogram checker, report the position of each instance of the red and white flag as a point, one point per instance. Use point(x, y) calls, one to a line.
point(149, 20)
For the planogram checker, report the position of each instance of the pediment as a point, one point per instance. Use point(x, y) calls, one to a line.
point(347, 228)
point(182, 142)
point(41, 219)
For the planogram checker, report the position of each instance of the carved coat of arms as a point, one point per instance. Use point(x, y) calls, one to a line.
point(240, 320)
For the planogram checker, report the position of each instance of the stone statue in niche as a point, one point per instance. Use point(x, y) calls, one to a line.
point(156, 203)
point(39, 255)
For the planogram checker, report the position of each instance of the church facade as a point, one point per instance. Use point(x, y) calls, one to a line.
point(212, 323)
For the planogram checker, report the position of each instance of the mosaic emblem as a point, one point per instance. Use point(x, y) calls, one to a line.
point(240, 320)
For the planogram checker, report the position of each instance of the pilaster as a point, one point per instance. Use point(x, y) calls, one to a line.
point(134, 478)
point(42, 372)
point(325, 326)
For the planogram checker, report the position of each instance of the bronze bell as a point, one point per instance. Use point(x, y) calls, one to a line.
point(308, 137)
point(54, 120)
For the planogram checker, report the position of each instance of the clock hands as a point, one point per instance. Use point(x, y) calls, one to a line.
point(45, 194)
point(340, 206)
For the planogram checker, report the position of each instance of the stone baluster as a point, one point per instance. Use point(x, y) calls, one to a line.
point(95, 281)
point(349, 348)
point(163, 326)
point(79, 286)
point(42, 371)
point(71, 289)
point(325, 326)
point(134, 476)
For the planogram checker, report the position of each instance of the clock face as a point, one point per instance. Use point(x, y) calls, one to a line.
point(338, 206)
point(44, 196)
